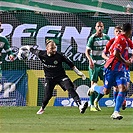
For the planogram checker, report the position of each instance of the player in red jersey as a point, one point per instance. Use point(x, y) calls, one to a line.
point(117, 31)
point(115, 68)
point(116, 65)
point(105, 55)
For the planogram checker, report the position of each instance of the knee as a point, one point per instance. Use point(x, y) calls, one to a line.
point(122, 88)
point(106, 91)
point(115, 88)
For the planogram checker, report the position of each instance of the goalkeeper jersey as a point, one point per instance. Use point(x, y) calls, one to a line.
point(52, 65)
point(4, 44)
point(96, 45)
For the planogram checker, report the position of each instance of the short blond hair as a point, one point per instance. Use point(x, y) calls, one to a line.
point(49, 41)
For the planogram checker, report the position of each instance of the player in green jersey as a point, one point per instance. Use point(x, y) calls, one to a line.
point(94, 49)
point(4, 44)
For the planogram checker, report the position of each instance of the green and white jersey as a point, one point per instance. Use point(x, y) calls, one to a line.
point(4, 44)
point(96, 45)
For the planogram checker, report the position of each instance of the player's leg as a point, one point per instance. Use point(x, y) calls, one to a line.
point(94, 78)
point(99, 89)
point(115, 93)
point(95, 89)
point(66, 84)
point(119, 100)
point(48, 92)
point(122, 86)
point(127, 75)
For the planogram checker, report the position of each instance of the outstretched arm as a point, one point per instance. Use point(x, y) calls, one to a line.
point(24, 52)
point(34, 51)
point(75, 69)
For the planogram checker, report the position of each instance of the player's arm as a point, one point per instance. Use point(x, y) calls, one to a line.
point(105, 53)
point(120, 58)
point(118, 50)
point(131, 58)
point(88, 52)
point(72, 66)
point(34, 51)
point(131, 47)
point(75, 69)
point(7, 48)
point(24, 52)
point(29, 48)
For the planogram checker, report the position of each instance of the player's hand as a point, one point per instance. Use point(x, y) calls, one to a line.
point(79, 73)
point(131, 59)
point(82, 75)
point(11, 57)
point(128, 62)
point(91, 64)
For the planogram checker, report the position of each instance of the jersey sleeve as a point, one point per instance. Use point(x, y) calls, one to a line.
point(35, 51)
point(90, 42)
point(118, 44)
point(67, 61)
point(7, 47)
point(108, 38)
point(130, 43)
point(108, 45)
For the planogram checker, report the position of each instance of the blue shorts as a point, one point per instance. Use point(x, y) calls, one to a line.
point(127, 75)
point(114, 78)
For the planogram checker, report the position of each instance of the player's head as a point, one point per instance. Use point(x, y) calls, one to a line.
point(99, 27)
point(50, 47)
point(117, 30)
point(127, 29)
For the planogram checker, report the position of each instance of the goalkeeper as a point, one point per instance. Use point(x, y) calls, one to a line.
point(4, 44)
point(55, 74)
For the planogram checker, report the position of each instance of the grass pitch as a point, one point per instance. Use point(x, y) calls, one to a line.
point(63, 119)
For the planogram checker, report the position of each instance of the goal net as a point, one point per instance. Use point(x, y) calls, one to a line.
point(70, 31)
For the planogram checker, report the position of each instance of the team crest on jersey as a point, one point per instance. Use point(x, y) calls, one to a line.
point(55, 62)
point(1, 44)
point(43, 60)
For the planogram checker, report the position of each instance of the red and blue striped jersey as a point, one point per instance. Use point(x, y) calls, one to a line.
point(122, 44)
point(108, 46)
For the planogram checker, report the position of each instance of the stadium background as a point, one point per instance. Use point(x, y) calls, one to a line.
point(70, 31)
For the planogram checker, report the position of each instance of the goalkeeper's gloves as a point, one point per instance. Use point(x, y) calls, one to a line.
point(34, 51)
point(79, 73)
point(26, 47)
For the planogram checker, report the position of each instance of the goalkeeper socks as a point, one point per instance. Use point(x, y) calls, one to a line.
point(78, 102)
point(119, 100)
point(115, 93)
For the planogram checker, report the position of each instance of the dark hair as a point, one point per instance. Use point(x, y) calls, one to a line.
point(126, 27)
point(118, 27)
